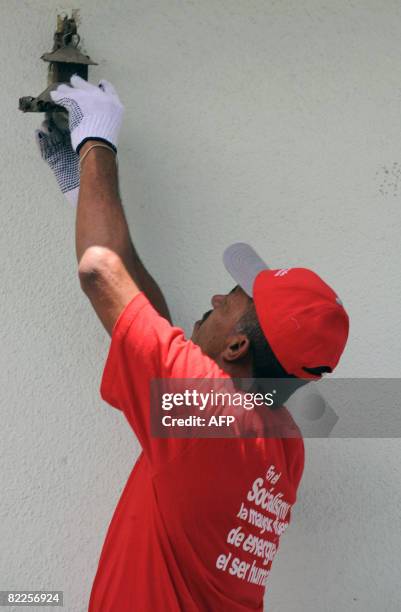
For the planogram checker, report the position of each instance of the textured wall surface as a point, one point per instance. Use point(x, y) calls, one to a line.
point(276, 123)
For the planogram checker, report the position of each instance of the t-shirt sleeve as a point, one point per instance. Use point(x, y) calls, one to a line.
point(145, 346)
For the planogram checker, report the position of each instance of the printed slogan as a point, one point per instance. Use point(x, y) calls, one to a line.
point(268, 512)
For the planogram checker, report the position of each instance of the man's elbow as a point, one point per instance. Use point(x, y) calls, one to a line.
point(95, 265)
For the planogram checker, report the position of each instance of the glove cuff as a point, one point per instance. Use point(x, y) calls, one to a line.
point(102, 127)
point(88, 138)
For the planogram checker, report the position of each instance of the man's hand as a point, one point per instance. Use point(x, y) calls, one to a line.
point(95, 113)
point(56, 150)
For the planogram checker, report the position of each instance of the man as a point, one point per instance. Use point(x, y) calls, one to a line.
point(199, 521)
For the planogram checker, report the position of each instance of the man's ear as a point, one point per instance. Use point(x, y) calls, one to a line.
point(237, 347)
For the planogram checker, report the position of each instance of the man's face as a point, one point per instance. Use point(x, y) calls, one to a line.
point(212, 332)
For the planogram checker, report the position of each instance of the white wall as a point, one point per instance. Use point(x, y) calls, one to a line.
point(276, 123)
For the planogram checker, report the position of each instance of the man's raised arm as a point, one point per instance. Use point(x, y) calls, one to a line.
point(110, 270)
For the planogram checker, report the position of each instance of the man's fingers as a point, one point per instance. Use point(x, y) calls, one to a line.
point(39, 134)
point(49, 136)
point(78, 83)
point(41, 139)
point(62, 91)
point(44, 126)
point(63, 88)
point(48, 127)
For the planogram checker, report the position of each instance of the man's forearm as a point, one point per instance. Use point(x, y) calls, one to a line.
point(101, 221)
point(100, 217)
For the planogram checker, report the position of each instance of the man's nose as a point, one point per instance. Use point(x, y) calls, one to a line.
point(217, 300)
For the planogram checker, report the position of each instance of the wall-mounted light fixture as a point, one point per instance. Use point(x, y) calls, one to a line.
point(65, 59)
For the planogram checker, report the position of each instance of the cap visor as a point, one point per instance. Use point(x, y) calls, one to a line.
point(243, 264)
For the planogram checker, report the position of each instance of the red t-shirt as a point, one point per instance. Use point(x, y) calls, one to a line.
point(199, 520)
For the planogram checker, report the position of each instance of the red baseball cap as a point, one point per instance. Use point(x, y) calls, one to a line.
point(302, 318)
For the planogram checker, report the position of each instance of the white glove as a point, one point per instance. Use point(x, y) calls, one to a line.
point(95, 113)
point(55, 148)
